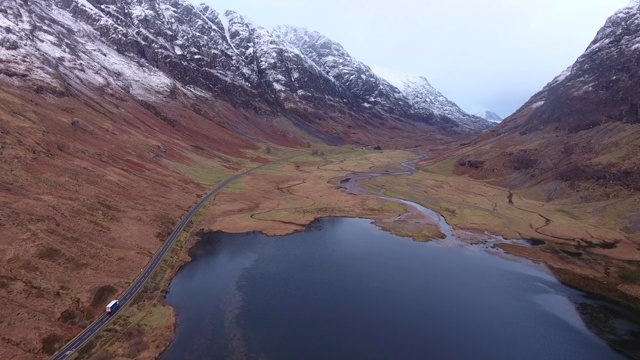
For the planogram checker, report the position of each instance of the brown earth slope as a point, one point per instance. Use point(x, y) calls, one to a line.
point(93, 179)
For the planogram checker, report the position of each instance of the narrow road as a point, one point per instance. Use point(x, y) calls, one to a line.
point(90, 331)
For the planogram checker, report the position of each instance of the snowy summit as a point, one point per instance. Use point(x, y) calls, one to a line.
point(424, 97)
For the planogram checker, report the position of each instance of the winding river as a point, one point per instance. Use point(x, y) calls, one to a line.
point(344, 289)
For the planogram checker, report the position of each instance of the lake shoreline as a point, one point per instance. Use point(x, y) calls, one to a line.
point(459, 248)
point(408, 218)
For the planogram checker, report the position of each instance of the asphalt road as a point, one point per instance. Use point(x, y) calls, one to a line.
point(91, 330)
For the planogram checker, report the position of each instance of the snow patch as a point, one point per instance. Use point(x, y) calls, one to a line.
point(632, 4)
point(537, 105)
point(5, 22)
point(563, 75)
point(225, 24)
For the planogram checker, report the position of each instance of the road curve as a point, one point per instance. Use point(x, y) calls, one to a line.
point(91, 330)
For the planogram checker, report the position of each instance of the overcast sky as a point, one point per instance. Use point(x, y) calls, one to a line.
point(492, 53)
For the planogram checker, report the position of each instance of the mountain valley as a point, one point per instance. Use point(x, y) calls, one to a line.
point(117, 117)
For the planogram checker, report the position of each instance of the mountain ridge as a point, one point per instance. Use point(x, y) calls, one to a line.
point(223, 54)
point(576, 134)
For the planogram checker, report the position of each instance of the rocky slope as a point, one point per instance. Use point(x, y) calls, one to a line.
point(424, 98)
point(578, 137)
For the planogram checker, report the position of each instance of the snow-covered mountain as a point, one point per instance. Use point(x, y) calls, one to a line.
point(491, 116)
point(424, 98)
point(483, 112)
point(149, 48)
point(601, 86)
point(335, 62)
point(582, 130)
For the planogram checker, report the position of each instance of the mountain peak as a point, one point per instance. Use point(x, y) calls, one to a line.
point(632, 4)
point(400, 79)
point(424, 97)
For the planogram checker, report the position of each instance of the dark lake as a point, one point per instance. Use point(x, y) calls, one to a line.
point(343, 289)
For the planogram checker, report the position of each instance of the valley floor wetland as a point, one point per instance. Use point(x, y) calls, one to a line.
point(343, 288)
point(284, 263)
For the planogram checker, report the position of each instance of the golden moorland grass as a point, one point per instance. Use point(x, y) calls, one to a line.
point(285, 197)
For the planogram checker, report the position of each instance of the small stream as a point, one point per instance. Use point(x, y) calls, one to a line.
point(352, 185)
point(344, 289)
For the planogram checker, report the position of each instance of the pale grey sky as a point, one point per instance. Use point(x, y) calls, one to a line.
point(492, 53)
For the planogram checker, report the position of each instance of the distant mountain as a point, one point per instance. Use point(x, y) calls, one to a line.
point(581, 133)
point(425, 98)
point(487, 115)
point(491, 116)
point(483, 112)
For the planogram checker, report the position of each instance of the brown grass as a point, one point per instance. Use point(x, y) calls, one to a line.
point(280, 199)
point(51, 343)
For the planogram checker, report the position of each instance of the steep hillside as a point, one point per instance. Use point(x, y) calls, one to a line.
point(580, 136)
point(115, 117)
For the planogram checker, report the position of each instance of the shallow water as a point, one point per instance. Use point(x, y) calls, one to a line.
point(344, 289)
